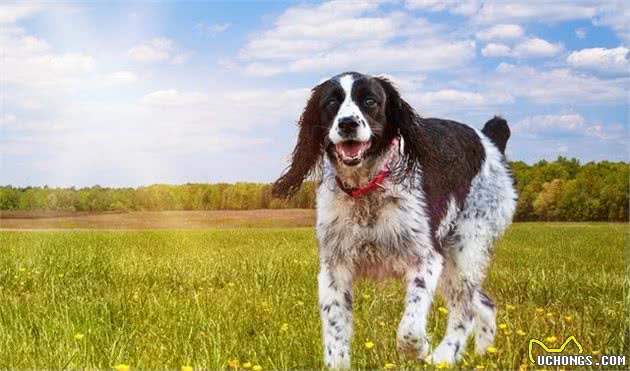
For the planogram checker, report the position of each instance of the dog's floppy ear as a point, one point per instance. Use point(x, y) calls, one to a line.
point(405, 119)
point(308, 150)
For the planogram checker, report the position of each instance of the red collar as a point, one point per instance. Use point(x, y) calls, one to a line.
point(376, 182)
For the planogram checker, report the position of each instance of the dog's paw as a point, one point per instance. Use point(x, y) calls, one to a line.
point(445, 353)
point(415, 347)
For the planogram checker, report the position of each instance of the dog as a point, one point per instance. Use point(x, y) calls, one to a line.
point(399, 195)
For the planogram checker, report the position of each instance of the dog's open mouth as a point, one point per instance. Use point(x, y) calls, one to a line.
point(351, 152)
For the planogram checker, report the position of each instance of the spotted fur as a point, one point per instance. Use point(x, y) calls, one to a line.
point(432, 225)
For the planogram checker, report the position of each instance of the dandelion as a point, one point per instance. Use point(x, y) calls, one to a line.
point(549, 314)
point(442, 365)
point(284, 327)
point(366, 296)
point(507, 332)
point(369, 344)
point(121, 367)
point(568, 318)
point(510, 307)
point(503, 326)
point(551, 339)
point(491, 350)
point(480, 367)
point(520, 332)
point(187, 368)
point(443, 310)
point(540, 310)
point(233, 363)
point(257, 368)
point(389, 366)
point(78, 336)
point(382, 323)
point(247, 365)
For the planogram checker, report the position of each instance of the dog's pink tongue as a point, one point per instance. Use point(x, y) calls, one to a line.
point(350, 148)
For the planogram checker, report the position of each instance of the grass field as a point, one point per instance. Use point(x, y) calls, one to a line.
point(206, 298)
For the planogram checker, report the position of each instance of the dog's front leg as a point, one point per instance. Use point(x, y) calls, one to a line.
point(335, 301)
point(421, 281)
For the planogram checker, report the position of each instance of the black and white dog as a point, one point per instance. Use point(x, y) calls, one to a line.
point(422, 199)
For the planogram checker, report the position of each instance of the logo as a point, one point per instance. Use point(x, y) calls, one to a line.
point(553, 358)
point(553, 350)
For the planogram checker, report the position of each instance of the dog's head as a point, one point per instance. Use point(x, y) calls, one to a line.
point(352, 118)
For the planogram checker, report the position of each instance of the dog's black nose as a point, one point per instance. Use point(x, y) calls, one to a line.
point(348, 126)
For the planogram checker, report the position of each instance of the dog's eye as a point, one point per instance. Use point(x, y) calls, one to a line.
point(370, 102)
point(332, 103)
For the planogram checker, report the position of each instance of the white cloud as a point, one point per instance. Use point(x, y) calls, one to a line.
point(555, 85)
point(536, 47)
point(172, 97)
point(121, 77)
point(610, 13)
point(566, 126)
point(11, 13)
point(352, 38)
point(496, 50)
point(581, 33)
point(611, 61)
point(501, 32)
point(155, 50)
point(528, 48)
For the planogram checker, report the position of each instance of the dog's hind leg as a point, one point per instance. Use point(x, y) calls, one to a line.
point(485, 321)
point(464, 270)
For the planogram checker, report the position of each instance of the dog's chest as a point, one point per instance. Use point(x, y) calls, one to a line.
point(378, 230)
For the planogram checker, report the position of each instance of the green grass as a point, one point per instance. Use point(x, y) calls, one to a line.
point(163, 299)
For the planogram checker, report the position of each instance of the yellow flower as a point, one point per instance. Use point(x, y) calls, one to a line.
point(187, 368)
point(520, 332)
point(551, 339)
point(382, 323)
point(366, 296)
point(503, 326)
point(480, 367)
point(568, 318)
point(507, 332)
point(369, 344)
point(443, 310)
point(510, 307)
point(257, 368)
point(596, 352)
point(233, 363)
point(284, 327)
point(230, 284)
point(442, 365)
point(78, 336)
point(22, 269)
point(540, 310)
point(389, 366)
point(247, 365)
point(491, 350)
point(549, 314)
point(121, 367)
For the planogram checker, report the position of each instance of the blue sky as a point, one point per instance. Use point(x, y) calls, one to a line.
point(125, 94)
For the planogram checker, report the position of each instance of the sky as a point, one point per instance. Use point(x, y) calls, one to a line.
point(136, 93)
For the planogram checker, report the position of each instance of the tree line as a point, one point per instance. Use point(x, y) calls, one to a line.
point(561, 190)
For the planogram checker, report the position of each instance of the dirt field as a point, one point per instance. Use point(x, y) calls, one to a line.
point(158, 219)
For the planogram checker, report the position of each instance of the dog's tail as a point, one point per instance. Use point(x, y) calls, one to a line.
point(498, 131)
